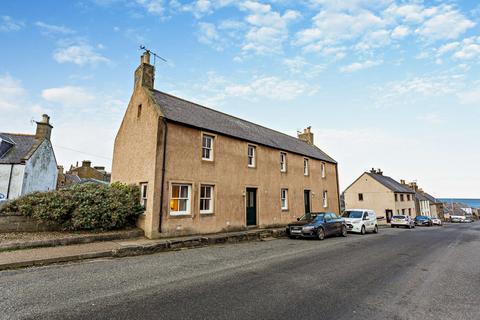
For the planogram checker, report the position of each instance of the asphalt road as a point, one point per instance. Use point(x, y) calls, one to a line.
point(425, 273)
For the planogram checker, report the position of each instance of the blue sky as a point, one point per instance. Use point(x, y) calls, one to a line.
point(385, 83)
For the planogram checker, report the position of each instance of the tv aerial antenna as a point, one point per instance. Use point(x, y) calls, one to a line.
point(155, 56)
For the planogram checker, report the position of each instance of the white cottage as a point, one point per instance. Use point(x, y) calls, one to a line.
point(27, 162)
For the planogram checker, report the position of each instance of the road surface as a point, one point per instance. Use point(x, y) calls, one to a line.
point(425, 273)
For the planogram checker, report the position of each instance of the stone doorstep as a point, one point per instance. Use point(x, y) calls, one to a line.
point(71, 240)
point(130, 248)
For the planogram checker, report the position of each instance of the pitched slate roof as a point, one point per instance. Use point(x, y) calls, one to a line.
point(192, 114)
point(430, 197)
point(24, 145)
point(421, 197)
point(390, 183)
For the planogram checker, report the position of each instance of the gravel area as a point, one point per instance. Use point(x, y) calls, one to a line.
point(14, 237)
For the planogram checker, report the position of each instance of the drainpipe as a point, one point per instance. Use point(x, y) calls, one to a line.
point(9, 181)
point(164, 160)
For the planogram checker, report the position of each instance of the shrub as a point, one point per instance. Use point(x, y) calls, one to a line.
point(81, 207)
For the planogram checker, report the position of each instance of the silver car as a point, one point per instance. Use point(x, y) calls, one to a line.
point(402, 221)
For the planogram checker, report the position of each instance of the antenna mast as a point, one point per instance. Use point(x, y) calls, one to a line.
point(155, 56)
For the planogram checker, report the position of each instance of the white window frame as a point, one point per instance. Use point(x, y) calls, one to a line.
point(144, 195)
point(252, 156)
point(188, 199)
point(283, 162)
point(284, 199)
point(210, 199)
point(325, 198)
point(206, 147)
point(324, 170)
point(306, 169)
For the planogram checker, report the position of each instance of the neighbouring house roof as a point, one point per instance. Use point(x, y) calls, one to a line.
point(390, 183)
point(188, 113)
point(23, 147)
point(430, 197)
point(421, 197)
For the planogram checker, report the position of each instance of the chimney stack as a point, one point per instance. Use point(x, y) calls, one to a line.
point(414, 186)
point(86, 163)
point(402, 181)
point(145, 73)
point(44, 128)
point(380, 172)
point(307, 135)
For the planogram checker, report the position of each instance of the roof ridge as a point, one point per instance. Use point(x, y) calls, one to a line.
point(18, 134)
point(232, 116)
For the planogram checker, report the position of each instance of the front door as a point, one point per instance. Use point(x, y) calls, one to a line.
point(306, 200)
point(251, 206)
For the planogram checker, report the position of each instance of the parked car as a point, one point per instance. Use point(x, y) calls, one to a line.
point(423, 221)
point(361, 220)
point(3, 198)
point(294, 229)
point(324, 224)
point(437, 221)
point(457, 218)
point(402, 221)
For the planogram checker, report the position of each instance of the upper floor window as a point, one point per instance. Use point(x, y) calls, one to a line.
point(408, 197)
point(325, 198)
point(207, 147)
point(360, 197)
point(283, 162)
point(206, 199)
point(324, 171)
point(284, 199)
point(251, 152)
point(396, 197)
point(143, 195)
point(401, 197)
point(180, 199)
point(305, 167)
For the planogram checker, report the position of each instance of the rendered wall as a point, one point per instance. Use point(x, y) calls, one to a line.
point(40, 170)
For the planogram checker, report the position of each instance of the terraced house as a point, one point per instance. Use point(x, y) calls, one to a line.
point(203, 171)
point(386, 196)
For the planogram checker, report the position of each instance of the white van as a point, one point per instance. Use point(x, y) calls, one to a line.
point(361, 220)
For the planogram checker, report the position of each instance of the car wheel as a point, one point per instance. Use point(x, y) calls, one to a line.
point(321, 234)
point(362, 231)
point(375, 230)
point(343, 232)
point(392, 226)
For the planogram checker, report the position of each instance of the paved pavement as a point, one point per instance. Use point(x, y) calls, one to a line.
point(425, 273)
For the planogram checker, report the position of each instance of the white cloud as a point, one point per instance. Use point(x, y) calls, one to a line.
point(447, 23)
point(469, 49)
point(268, 29)
point(8, 24)
point(431, 118)
point(53, 29)
point(400, 32)
point(470, 97)
point(269, 87)
point(12, 93)
point(69, 96)
point(80, 54)
point(357, 66)
point(155, 7)
point(208, 34)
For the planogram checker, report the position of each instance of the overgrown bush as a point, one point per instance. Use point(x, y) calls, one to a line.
point(81, 207)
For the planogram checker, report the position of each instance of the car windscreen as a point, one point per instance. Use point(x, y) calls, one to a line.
point(421, 218)
point(352, 214)
point(319, 217)
point(398, 217)
point(307, 217)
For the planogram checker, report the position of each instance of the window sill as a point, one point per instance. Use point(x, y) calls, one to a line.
point(208, 160)
point(285, 210)
point(207, 213)
point(180, 215)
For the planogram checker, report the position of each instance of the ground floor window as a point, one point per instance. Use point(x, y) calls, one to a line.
point(284, 199)
point(325, 199)
point(180, 199)
point(206, 199)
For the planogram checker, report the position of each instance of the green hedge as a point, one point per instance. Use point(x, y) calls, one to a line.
point(81, 207)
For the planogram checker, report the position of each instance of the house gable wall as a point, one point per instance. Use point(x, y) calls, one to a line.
point(40, 170)
point(16, 181)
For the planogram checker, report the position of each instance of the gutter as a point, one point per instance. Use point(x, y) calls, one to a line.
point(10, 180)
point(164, 160)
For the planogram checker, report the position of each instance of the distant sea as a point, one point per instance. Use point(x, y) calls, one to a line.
point(474, 203)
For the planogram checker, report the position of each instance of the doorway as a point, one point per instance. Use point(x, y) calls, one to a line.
point(306, 201)
point(389, 214)
point(251, 205)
